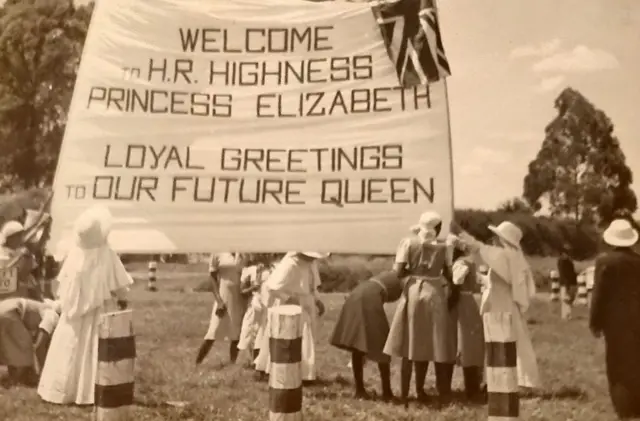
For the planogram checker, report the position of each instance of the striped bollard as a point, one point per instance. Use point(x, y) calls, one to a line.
point(153, 268)
point(285, 371)
point(581, 297)
point(565, 303)
point(501, 371)
point(116, 360)
point(555, 289)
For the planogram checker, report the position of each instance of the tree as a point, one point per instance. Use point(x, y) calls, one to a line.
point(580, 169)
point(516, 205)
point(40, 46)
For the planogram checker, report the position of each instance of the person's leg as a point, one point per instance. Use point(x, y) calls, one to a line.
point(405, 379)
point(254, 354)
point(421, 368)
point(444, 375)
point(233, 351)
point(357, 366)
point(472, 380)
point(206, 346)
point(385, 379)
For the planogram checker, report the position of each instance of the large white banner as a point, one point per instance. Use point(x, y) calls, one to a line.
point(249, 125)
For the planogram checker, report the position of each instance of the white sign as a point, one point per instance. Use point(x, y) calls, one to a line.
point(249, 126)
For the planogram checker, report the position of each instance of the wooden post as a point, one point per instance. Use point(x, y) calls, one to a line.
point(555, 286)
point(502, 374)
point(285, 371)
point(581, 297)
point(116, 360)
point(565, 303)
point(153, 268)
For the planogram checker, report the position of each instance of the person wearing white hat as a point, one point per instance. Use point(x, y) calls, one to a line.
point(228, 310)
point(25, 328)
point(615, 314)
point(294, 280)
point(422, 329)
point(92, 281)
point(510, 288)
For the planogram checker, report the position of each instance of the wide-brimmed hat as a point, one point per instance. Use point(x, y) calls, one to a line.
point(315, 254)
point(428, 221)
point(509, 232)
point(620, 233)
point(10, 229)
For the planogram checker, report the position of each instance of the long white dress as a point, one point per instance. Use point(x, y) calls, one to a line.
point(254, 276)
point(510, 288)
point(293, 281)
point(89, 281)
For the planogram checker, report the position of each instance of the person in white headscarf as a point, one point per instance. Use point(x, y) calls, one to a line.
point(510, 288)
point(295, 280)
point(25, 329)
point(422, 330)
point(92, 281)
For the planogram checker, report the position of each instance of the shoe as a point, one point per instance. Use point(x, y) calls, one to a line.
point(362, 395)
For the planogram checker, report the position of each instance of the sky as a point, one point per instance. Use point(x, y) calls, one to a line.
point(510, 59)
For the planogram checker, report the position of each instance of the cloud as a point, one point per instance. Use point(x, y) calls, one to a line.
point(550, 83)
point(580, 59)
point(541, 50)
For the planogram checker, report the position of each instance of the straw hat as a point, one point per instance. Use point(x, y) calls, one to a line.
point(9, 229)
point(428, 221)
point(509, 232)
point(315, 254)
point(620, 233)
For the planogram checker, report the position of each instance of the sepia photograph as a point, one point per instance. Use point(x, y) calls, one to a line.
point(463, 171)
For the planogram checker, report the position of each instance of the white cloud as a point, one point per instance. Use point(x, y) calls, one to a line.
point(580, 59)
point(550, 83)
point(541, 50)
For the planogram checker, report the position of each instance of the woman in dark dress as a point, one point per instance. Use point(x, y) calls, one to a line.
point(615, 314)
point(362, 328)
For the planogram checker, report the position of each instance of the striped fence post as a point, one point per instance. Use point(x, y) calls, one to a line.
point(285, 371)
point(565, 303)
point(153, 269)
point(501, 371)
point(116, 360)
point(581, 297)
point(555, 286)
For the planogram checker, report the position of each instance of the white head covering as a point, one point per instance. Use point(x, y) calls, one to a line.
point(8, 229)
point(91, 271)
point(620, 233)
point(427, 223)
point(508, 232)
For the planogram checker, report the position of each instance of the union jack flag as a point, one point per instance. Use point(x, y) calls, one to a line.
point(412, 37)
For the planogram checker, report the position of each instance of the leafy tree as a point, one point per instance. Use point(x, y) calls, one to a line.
point(40, 46)
point(516, 205)
point(580, 169)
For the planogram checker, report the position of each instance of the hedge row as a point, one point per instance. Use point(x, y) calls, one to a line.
point(543, 236)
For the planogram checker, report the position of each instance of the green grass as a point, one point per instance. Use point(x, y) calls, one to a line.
point(170, 325)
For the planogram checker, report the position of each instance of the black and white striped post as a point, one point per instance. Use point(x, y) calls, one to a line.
point(116, 361)
point(555, 286)
point(581, 297)
point(285, 371)
point(566, 303)
point(153, 269)
point(501, 371)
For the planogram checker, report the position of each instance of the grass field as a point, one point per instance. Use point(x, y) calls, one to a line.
point(170, 324)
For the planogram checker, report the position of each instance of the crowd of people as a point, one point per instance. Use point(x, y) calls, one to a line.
point(53, 343)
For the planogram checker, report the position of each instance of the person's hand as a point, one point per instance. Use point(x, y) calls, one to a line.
point(221, 310)
point(320, 307)
point(122, 304)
